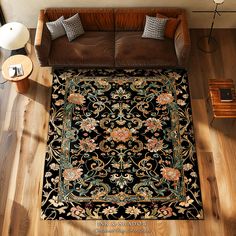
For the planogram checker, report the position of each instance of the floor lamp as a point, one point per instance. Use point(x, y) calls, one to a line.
point(14, 36)
point(208, 43)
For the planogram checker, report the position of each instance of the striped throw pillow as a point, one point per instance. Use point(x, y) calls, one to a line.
point(154, 28)
point(56, 28)
point(73, 27)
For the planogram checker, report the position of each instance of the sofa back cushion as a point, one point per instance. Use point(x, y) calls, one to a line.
point(133, 19)
point(93, 19)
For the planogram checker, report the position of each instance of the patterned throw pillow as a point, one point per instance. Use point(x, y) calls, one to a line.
point(73, 27)
point(56, 28)
point(171, 25)
point(154, 28)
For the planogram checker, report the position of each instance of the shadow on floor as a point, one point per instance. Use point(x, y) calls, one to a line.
point(38, 92)
point(19, 221)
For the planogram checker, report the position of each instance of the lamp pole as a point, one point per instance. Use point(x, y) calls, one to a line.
point(213, 21)
point(208, 43)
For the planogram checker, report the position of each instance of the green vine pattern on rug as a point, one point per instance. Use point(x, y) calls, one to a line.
point(121, 146)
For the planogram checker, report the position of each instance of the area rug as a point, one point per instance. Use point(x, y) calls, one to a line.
point(121, 147)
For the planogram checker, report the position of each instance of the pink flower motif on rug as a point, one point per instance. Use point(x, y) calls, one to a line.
point(87, 145)
point(77, 212)
point(121, 134)
point(88, 124)
point(76, 98)
point(153, 124)
point(165, 98)
point(154, 145)
point(170, 173)
point(165, 211)
point(72, 174)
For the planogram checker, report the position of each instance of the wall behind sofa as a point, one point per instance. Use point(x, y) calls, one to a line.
point(26, 11)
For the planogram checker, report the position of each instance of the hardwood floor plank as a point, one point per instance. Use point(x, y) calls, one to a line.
point(210, 194)
point(228, 55)
point(226, 163)
point(195, 75)
point(7, 155)
point(201, 125)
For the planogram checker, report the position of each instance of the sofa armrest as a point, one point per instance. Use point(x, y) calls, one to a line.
point(182, 41)
point(42, 41)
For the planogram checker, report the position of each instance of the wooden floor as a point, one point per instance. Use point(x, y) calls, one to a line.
point(23, 133)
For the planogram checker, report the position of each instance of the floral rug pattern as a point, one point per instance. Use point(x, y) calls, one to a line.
point(121, 146)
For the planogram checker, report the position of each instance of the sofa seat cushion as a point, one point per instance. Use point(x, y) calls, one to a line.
point(93, 49)
point(131, 50)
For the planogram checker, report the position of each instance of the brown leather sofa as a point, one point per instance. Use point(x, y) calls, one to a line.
point(112, 39)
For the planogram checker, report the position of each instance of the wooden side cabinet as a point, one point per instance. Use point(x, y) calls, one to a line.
point(221, 109)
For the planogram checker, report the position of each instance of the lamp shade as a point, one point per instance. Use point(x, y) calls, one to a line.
point(218, 1)
point(13, 36)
